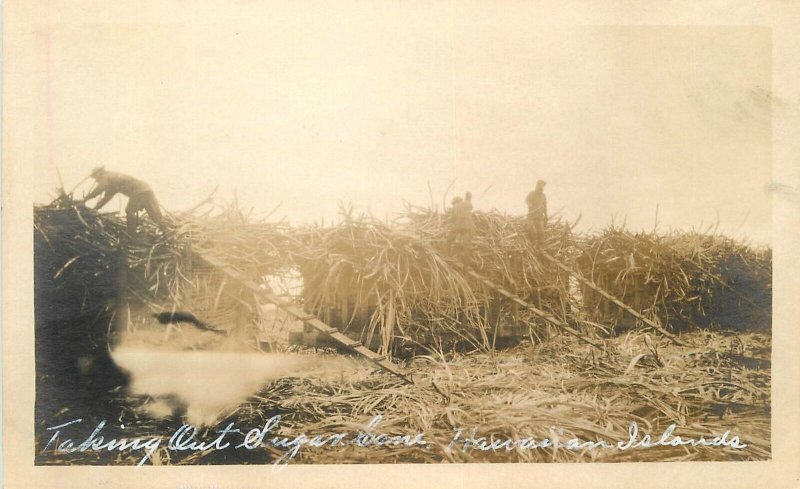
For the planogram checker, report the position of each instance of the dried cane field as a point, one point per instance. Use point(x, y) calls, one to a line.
point(477, 360)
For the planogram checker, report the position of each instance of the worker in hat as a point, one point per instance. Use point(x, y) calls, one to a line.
point(537, 212)
point(140, 196)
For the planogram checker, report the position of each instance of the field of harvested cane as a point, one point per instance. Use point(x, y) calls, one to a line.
point(395, 285)
point(556, 390)
point(683, 278)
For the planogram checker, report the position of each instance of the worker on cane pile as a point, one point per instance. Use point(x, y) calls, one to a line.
point(537, 212)
point(140, 196)
point(462, 226)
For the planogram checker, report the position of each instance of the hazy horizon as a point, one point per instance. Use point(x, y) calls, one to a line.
point(617, 120)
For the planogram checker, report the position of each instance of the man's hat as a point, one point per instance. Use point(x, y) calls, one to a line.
point(98, 170)
point(540, 182)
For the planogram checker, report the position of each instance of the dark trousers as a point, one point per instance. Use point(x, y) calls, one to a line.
point(536, 228)
point(144, 201)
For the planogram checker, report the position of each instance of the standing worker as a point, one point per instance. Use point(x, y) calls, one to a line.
point(537, 212)
point(140, 196)
point(463, 226)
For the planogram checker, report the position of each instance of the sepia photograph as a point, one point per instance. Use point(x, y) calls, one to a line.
point(288, 235)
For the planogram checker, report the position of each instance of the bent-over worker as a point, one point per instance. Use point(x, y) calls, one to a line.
point(140, 196)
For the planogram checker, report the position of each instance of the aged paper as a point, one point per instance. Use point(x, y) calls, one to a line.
point(253, 243)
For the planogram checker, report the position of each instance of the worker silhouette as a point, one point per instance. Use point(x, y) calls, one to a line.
point(140, 196)
point(537, 212)
point(463, 227)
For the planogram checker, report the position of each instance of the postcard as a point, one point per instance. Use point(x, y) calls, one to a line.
point(377, 243)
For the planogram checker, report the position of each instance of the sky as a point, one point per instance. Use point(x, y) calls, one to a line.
point(378, 107)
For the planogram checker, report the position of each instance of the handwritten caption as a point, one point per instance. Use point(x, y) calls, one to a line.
point(185, 438)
